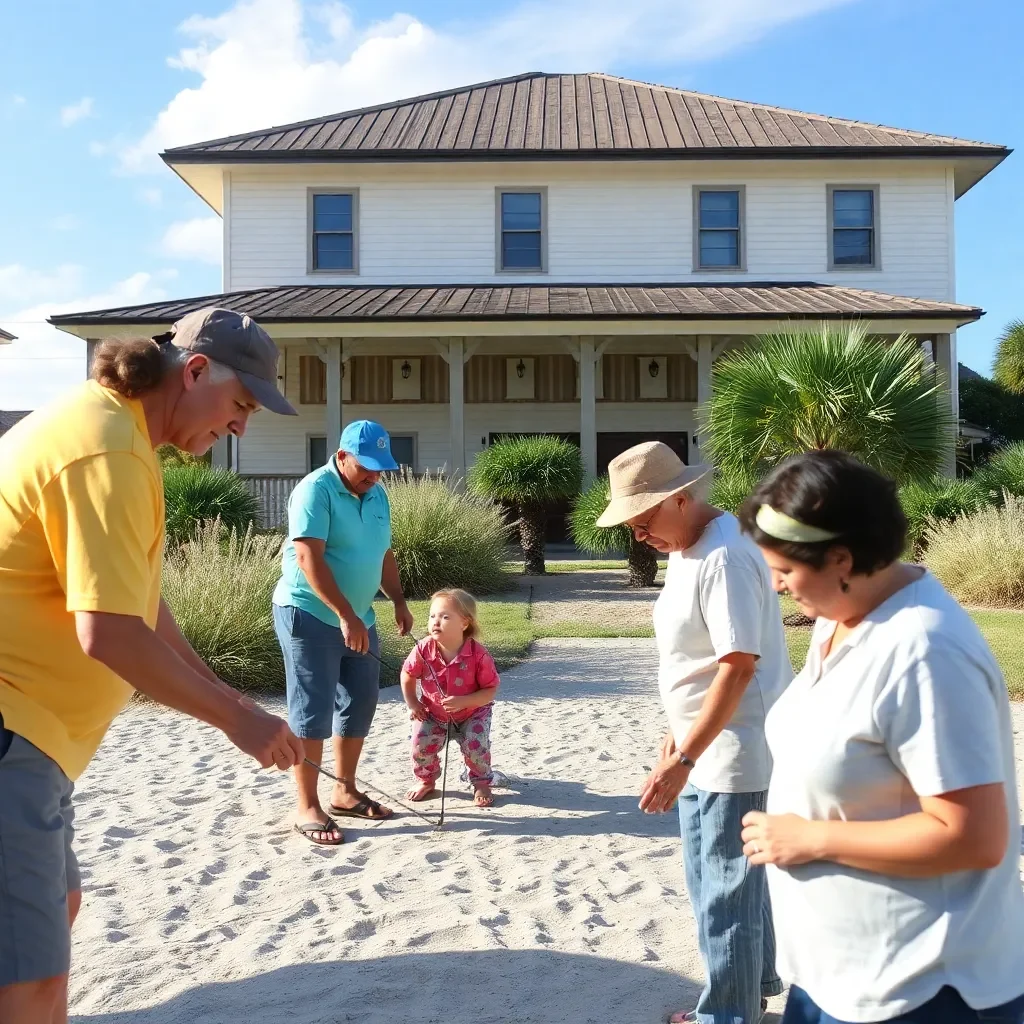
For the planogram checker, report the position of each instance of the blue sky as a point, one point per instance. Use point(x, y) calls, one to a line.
point(90, 91)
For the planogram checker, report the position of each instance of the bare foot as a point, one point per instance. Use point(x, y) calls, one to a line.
point(421, 792)
point(483, 797)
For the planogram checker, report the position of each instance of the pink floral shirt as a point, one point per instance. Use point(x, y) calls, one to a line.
point(471, 670)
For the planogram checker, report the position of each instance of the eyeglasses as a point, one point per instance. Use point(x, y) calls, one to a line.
point(643, 530)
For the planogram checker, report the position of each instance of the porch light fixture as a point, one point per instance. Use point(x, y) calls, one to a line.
point(653, 368)
point(520, 369)
point(406, 370)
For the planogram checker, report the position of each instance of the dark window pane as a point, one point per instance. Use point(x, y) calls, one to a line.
point(719, 209)
point(333, 252)
point(520, 250)
point(520, 211)
point(852, 247)
point(402, 448)
point(853, 209)
point(332, 213)
point(317, 452)
point(719, 249)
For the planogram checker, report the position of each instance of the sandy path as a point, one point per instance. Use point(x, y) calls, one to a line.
point(563, 904)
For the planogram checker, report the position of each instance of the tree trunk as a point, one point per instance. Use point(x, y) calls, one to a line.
point(531, 538)
point(643, 564)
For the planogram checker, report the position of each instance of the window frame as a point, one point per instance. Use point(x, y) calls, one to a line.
point(542, 191)
point(415, 438)
point(412, 435)
point(311, 232)
point(741, 230)
point(876, 220)
point(310, 437)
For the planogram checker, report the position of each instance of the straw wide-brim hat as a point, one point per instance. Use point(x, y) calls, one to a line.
point(644, 476)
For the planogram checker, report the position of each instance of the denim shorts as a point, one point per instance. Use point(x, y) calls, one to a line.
point(37, 865)
point(945, 1008)
point(331, 689)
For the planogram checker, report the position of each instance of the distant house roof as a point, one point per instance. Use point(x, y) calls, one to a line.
point(756, 301)
point(6, 336)
point(8, 419)
point(541, 115)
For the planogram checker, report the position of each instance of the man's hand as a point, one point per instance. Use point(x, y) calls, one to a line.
point(783, 839)
point(417, 711)
point(668, 747)
point(357, 636)
point(663, 786)
point(263, 736)
point(403, 618)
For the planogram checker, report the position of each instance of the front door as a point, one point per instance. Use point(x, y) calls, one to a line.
point(611, 444)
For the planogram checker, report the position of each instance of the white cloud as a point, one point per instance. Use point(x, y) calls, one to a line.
point(44, 361)
point(266, 62)
point(151, 196)
point(198, 239)
point(98, 148)
point(76, 111)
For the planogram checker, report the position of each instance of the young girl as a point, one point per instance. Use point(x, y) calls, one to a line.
point(468, 684)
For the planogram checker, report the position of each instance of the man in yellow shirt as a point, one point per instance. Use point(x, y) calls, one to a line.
point(82, 622)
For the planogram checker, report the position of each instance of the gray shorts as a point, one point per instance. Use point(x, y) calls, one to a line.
point(37, 866)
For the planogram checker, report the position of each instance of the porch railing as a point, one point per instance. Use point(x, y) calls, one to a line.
point(272, 494)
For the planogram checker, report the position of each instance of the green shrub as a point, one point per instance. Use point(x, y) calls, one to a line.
point(834, 387)
point(531, 474)
point(219, 590)
point(730, 490)
point(641, 560)
point(443, 537)
point(1008, 368)
point(195, 494)
point(169, 455)
point(1003, 472)
point(925, 504)
point(980, 558)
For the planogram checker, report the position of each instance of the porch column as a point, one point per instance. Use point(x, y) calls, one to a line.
point(705, 360)
point(588, 408)
point(331, 355)
point(946, 367)
point(456, 406)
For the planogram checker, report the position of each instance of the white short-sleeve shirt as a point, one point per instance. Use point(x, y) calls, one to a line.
point(911, 704)
point(718, 600)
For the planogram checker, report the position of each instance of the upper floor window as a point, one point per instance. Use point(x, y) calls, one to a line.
point(718, 236)
point(853, 227)
point(521, 230)
point(332, 227)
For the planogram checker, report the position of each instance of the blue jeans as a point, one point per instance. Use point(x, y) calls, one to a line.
point(330, 688)
point(945, 1008)
point(730, 901)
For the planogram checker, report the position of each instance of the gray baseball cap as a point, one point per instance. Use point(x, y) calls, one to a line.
point(235, 340)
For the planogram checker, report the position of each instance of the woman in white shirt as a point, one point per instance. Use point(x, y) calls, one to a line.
point(892, 823)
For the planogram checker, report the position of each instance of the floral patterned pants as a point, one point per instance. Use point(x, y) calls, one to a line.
point(473, 737)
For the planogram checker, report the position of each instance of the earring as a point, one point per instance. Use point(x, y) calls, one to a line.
point(844, 586)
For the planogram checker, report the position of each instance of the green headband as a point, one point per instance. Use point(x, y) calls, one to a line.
point(782, 527)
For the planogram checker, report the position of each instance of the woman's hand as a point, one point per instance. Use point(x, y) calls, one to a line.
point(663, 785)
point(785, 840)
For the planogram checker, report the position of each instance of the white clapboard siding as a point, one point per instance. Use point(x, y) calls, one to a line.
point(606, 222)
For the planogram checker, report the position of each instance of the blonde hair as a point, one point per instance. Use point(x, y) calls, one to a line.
point(465, 605)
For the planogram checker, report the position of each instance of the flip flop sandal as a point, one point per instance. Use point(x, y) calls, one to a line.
point(366, 808)
point(690, 1016)
point(309, 830)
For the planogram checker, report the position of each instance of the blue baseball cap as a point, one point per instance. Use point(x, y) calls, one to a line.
point(370, 444)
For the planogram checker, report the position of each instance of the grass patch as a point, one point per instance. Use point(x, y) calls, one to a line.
point(1003, 630)
point(590, 631)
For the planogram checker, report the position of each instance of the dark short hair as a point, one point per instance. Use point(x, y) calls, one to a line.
point(835, 492)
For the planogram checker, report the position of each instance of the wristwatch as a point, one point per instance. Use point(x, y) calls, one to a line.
point(686, 762)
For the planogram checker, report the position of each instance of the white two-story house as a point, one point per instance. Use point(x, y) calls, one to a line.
point(557, 254)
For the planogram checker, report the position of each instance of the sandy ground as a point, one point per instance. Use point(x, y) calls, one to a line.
point(564, 903)
point(596, 596)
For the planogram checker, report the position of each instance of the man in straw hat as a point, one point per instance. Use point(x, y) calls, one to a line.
point(722, 663)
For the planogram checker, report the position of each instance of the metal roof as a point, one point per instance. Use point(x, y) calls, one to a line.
point(378, 303)
point(586, 115)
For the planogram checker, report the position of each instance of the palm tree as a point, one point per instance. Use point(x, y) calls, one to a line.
point(828, 388)
point(1008, 368)
point(531, 474)
point(641, 560)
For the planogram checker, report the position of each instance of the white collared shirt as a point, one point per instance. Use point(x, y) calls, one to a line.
point(911, 703)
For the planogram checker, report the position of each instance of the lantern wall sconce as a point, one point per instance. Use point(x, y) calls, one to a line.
point(653, 368)
point(406, 370)
point(520, 369)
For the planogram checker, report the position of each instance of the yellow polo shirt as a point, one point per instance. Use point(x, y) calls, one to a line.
point(81, 529)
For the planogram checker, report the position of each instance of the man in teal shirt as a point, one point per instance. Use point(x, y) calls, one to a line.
point(337, 557)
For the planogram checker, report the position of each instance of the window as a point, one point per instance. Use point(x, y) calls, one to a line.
point(403, 448)
point(521, 230)
point(853, 227)
point(317, 452)
point(333, 217)
point(718, 219)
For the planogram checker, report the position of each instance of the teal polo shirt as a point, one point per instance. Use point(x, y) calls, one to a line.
point(357, 534)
